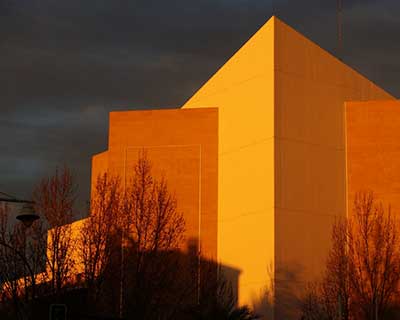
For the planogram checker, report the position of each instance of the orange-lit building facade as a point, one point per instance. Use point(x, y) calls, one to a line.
point(264, 156)
point(182, 146)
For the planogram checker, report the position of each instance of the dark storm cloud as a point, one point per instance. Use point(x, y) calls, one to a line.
point(371, 30)
point(374, 41)
point(65, 64)
point(114, 48)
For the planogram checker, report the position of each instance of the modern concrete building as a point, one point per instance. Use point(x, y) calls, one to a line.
point(257, 159)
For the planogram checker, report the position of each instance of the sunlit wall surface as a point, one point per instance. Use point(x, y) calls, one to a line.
point(243, 92)
point(182, 147)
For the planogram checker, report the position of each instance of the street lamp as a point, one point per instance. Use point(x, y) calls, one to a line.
point(27, 214)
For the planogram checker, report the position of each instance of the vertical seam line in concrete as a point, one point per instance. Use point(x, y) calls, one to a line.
point(199, 231)
point(200, 197)
point(346, 179)
point(125, 160)
point(274, 54)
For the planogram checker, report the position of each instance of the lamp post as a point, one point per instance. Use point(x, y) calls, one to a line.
point(27, 216)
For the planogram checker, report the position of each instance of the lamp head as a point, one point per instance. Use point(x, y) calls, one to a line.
point(27, 215)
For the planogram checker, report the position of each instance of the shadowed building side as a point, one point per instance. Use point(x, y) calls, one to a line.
point(311, 87)
point(373, 151)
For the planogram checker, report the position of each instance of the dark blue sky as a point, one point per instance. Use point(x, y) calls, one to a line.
point(64, 64)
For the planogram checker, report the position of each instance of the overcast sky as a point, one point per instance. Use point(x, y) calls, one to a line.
point(64, 64)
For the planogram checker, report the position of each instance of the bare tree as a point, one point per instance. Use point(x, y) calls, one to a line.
point(54, 198)
point(362, 274)
point(98, 235)
point(335, 289)
point(374, 251)
point(314, 305)
point(150, 210)
point(155, 231)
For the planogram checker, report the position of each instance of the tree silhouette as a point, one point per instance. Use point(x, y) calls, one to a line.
point(98, 235)
point(54, 198)
point(374, 252)
point(153, 231)
point(362, 274)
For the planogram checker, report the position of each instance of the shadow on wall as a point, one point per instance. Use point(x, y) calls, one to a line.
point(281, 297)
point(168, 285)
point(210, 268)
point(231, 276)
point(171, 283)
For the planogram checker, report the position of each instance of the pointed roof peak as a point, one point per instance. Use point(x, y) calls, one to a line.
point(273, 22)
point(274, 19)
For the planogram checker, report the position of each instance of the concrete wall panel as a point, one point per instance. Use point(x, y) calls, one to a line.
point(373, 151)
point(182, 146)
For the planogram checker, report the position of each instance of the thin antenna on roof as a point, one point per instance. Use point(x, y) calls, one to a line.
point(339, 29)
